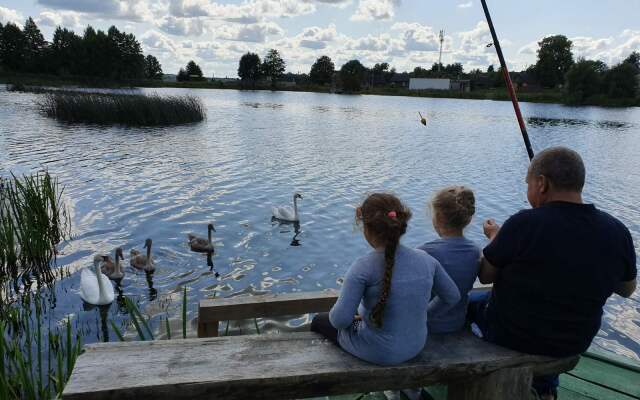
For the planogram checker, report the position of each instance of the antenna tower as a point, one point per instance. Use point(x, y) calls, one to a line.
point(441, 42)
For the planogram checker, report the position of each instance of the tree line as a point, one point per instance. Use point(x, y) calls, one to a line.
point(112, 55)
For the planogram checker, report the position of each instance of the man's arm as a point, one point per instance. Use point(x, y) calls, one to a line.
point(625, 289)
point(487, 273)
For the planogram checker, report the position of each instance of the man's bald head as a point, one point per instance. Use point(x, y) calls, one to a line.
point(562, 166)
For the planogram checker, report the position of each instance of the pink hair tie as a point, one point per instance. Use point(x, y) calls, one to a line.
point(392, 214)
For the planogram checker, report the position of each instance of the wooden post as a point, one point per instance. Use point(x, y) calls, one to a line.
point(208, 329)
point(505, 384)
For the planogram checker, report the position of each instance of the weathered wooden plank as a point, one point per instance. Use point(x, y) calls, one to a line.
point(590, 390)
point(282, 366)
point(268, 305)
point(504, 384)
point(605, 374)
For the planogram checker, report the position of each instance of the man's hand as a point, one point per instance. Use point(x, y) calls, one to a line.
point(490, 228)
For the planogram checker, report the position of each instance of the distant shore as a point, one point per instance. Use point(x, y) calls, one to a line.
point(553, 96)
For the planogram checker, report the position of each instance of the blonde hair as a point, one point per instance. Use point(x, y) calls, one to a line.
point(455, 205)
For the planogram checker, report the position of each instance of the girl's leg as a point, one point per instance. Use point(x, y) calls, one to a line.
point(321, 324)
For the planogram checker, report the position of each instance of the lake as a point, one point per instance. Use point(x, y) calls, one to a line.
point(256, 149)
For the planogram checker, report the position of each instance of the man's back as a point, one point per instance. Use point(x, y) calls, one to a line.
point(557, 265)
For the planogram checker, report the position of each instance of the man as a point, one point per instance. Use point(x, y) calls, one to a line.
point(552, 267)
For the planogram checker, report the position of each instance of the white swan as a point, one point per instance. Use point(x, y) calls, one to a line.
point(202, 245)
point(286, 213)
point(113, 270)
point(140, 261)
point(95, 287)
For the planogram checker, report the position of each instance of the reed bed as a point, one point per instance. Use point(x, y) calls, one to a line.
point(33, 220)
point(122, 109)
point(34, 364)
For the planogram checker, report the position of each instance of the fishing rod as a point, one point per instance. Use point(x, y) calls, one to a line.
point(507, 80)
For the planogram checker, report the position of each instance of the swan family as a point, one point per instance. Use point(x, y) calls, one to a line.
point(95, 285)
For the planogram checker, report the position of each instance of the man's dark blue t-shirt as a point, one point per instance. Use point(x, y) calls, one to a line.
point(557, 265)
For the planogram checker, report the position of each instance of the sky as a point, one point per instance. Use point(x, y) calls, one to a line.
point(404, 33)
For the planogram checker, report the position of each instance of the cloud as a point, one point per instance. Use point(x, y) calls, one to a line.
point(256, 33)
point(135, 10)
point(249, 11)
point(476, 40)
point(156, 42)
point(68, 19)
point(371, 43)
point(418, 37)
point(371, 10)
point(182, 26)
point(468, 4)
point(317, 38)
point(9, 15)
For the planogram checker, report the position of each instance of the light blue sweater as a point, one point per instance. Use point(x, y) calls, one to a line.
point(404, 330)
point(460, 258)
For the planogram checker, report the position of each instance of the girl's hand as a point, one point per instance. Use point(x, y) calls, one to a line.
point(490, 228)
point(357, 318)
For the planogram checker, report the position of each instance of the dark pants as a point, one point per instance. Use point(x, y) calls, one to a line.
point(321, 324)
point(477, 312)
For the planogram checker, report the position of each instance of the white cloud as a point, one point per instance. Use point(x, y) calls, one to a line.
point(317, 38)
point(371, 43)
point(257, 33)
point(9, 15)
point(136, 10)
point(249, 11)
point(418, 37)
point(370, 10)
point(468, 4)
point(182, 26)
point(156, 42)
point(67, 19)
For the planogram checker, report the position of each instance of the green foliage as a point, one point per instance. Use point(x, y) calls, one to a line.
point(351, 75)
point(322, 71)
point(584, 79)
point(249, 68)
point(124, 109)
point(24, 371)
point(193, 70)
point(34, 46)
point(33, 220)
point(12, 47)
point(621, 81)
point(152, 68)
point(381, 74)
point(554, 60)
point(273, 66)
point(634, 59)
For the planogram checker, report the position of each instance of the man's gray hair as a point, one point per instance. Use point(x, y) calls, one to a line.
point(562, 166)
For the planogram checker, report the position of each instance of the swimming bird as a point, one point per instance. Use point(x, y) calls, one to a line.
point(113, 270)
point(202, 245)
point(423, 120)
point(286, 213)
point(140, 261)
point(95, 287)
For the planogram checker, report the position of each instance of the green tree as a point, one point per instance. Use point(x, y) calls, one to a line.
point(634, 59)
point(554, 60)
point(182, 75)
point(13, 47)
point(491, 69)
point(273, 66)
point(249, 68)
point(621, 81)
point(351, 75)
point(322, 71)
point(65, 48)
point(454, 70)
point(152, 68)
point(381, 73)
point(419, 72)
point(193, 71)
point(584, 79)
point(35, 46)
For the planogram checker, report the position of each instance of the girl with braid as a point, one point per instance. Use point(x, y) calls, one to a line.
point(381, 313)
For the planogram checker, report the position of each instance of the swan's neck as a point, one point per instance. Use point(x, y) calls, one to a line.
point(102, 290)
point(117, 268)
point(210, 230)
point(149, 256)
point(295, 207)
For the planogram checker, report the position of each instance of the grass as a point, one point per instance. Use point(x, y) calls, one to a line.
point(24, 371)
point(33, 220)
point(122, 109)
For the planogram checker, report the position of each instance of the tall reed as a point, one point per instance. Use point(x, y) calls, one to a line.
point(33, 220)
point(122, 109)
point(24, 372)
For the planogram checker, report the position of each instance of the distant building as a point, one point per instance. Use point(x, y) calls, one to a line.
point(458, 85)
point(400, 80)
point(169, 77)
point(429, 84)
point(224, 80)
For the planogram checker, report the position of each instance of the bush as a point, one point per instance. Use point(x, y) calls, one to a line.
point(124, 109)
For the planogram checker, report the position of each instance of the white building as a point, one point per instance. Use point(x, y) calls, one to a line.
point(429, 84)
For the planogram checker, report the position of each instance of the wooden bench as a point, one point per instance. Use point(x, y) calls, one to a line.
point(294, 365)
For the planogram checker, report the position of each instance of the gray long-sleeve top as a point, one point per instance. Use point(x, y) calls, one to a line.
point(404, 330)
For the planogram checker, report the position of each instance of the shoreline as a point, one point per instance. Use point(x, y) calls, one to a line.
point(545, 96)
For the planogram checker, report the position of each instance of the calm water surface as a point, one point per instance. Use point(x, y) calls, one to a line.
point(256, 148)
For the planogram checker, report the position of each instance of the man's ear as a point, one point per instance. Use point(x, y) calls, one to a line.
point(544, 183)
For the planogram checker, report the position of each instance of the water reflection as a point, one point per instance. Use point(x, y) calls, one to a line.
point(568, 122)
point(285, 228)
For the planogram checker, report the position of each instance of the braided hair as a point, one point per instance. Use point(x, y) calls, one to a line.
point(384, 218)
